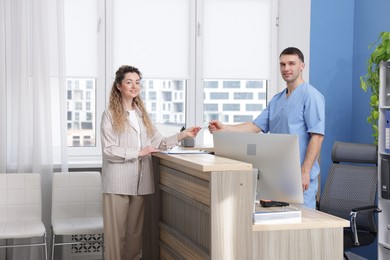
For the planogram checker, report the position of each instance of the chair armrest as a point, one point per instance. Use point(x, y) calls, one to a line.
point(352, 220)
point(373, 208)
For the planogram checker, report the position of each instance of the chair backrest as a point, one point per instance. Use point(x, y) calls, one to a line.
point(351, 182)
point(76, 194)
point(20, 196)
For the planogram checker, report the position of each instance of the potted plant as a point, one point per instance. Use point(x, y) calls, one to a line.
point(371, 79)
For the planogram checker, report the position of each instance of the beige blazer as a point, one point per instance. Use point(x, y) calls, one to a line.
point(123, 172)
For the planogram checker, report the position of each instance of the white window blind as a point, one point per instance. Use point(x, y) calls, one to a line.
point(234, 45)
point(81, 38)
point(152, 35)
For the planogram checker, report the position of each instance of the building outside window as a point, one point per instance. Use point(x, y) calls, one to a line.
point(81, 125)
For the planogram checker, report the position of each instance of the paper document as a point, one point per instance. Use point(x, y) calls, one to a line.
point(274, 215)
point(180, 150)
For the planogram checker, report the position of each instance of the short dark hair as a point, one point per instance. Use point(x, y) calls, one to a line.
point(293, 51)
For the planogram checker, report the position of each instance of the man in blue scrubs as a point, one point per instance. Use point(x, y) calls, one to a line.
point(299, 109)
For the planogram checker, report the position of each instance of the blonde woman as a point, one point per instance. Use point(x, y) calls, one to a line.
point(128, 140)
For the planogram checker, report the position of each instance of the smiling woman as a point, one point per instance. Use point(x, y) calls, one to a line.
point(128, 140)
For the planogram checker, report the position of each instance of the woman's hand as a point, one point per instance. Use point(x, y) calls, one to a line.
point(147, 150)
point(192, 131)
point(189, 132)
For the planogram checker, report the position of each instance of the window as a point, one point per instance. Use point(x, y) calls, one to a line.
point(88, 116)
point(78, 94)
point(231, 84)
point(219, 95)
point(242, 103)
point(198, 63)
point(78, 105)
point(243, 96)
point(81, 104)
point(254, 107)
point(86, 125)
point(239, 118)
point(89, 84)
point(87, 140)
point(231, 107)
point(210, 107)
point(152, 94)
point(75, 140)
point(254, 84)
point(210, 84)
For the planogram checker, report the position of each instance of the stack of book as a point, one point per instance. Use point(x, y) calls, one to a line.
point(264, 215)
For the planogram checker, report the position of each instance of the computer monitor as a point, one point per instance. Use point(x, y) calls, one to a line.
point(276, 156)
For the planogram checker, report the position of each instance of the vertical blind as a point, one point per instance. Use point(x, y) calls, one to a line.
point(81, 38)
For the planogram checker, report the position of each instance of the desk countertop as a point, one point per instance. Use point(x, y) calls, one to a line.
point(205, 162)
point(311, 218)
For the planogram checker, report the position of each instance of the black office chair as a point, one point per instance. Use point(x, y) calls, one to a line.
point(350, 191)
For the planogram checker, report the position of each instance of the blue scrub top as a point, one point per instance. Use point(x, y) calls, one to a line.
point(301, 113)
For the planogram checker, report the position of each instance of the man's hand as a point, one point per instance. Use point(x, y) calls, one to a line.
point(215, 126)
point(305, 181)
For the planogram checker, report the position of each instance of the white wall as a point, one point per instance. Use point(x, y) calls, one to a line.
point(294, 31)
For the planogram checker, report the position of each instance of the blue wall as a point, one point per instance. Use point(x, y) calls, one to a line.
point(371, 18)
point(331, 57)
point(340, 34)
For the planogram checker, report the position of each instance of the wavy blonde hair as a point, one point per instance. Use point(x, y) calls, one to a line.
point(118, 111)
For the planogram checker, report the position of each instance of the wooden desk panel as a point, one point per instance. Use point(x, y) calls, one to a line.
point(205, 212)
point(205, 162)
point(309, 244)
point(185, 184)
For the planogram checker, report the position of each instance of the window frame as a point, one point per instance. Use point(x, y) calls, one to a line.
point(194, 98)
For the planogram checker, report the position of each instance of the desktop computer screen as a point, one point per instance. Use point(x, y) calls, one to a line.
point(276, 158)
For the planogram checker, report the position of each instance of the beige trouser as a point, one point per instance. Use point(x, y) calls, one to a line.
point(123, 218)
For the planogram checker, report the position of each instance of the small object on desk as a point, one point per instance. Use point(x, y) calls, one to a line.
point(187, 141)
point(276, 215)
point(273, 203)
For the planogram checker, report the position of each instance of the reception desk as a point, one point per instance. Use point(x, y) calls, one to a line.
point(202, 209)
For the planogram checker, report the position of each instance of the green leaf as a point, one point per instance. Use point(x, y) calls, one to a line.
point(375, 115)
point(378, 55)
point(363, 84)
point(380, 36)
point(385, 36)
point(371, 79)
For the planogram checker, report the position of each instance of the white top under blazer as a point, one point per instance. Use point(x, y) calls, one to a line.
point(123, 172)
